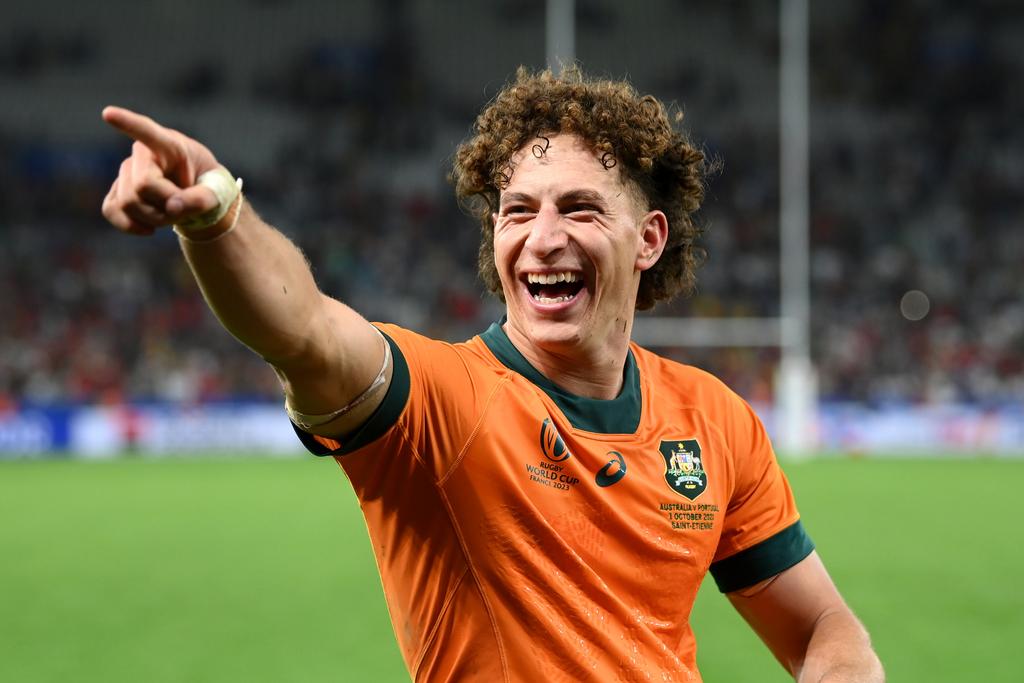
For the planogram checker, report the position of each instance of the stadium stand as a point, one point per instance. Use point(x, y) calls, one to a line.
point(341, 119)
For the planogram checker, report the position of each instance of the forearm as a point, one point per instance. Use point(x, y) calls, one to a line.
point(259, 286)
point(801, 617)
point(839, 651)
point(254, 279)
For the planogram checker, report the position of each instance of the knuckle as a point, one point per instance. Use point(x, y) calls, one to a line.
point(151, 186)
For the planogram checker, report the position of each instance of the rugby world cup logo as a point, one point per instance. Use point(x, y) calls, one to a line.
point(684, 468)
point(551, 444)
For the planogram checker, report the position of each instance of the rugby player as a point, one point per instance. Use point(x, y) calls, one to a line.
point(545, 498)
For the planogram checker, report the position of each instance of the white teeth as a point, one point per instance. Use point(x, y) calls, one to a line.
point(551, 278)
point(546, 300)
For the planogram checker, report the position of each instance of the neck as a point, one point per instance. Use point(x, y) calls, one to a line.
point(589, 370)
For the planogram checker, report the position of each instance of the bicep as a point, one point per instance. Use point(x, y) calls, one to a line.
point(785, 609)
point(341, 357)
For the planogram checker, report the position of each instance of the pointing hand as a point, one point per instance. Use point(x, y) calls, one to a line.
point(156, 185)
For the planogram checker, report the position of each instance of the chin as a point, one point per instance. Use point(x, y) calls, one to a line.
point(551, 331)
point(553, 334)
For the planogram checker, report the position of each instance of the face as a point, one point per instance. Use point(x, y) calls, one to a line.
point(570, 242)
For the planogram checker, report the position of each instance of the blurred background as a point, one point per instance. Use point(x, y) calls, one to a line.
point(342, 119)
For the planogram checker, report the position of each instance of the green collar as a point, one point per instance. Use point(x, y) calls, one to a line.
point(620, 415)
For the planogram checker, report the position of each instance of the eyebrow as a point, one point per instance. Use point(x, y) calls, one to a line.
point(565, 198)
point(513, 197)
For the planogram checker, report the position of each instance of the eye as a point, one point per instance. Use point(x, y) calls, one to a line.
point(516, 210)
point(582, 208)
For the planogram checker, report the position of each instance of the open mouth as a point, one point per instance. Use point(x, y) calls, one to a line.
point(554, 288)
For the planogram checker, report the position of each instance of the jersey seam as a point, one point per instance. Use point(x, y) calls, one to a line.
point(439, 483)
point(471, 568)
point(479, 586)
point(437, 623)
point(412, 446)
point(468, 569)
point(462, 546)
point(476, 430)
point(400, 425)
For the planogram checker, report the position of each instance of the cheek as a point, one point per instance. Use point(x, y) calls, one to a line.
point(503, 267)
point(505, 251)
point(498, 248)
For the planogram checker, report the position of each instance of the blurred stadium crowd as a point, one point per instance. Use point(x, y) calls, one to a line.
point(917, 170)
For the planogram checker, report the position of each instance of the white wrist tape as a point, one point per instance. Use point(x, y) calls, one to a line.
point(225, 188)
point(183, 233)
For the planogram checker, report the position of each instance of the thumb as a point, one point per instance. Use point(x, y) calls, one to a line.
point(190, 202)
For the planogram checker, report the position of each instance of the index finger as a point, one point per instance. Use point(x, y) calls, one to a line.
point(141, 128)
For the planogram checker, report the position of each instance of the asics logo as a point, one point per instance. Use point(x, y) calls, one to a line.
point(613, 471)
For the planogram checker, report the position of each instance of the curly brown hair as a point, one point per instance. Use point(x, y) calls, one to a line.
point(623, 128)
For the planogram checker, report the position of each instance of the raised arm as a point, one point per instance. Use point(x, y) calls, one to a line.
point(254, 279)
point(804, 621)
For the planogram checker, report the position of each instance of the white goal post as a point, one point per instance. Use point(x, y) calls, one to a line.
point(795, 380)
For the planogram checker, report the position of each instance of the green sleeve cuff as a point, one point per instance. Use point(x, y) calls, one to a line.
point(382, 419)
point(764, 560)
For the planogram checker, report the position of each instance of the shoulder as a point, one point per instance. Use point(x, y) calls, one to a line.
point(667, 375)
point(421, 344)
point(437, 361)
point(685, 387)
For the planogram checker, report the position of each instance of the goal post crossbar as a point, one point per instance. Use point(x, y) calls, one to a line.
point(795, 380)
point(708, 332)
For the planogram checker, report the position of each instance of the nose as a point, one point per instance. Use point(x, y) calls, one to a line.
point(547, 233)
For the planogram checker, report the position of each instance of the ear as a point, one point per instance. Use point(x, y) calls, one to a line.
point(651, 239)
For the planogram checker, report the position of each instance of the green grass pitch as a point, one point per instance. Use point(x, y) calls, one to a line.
point(260, 570)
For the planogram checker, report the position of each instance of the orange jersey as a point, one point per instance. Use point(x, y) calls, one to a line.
point(526, 534)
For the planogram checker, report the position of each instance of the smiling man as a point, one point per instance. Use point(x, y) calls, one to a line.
point(571, 242)
point(544, 499)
